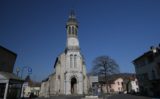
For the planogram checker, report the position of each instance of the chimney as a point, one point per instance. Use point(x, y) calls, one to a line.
point(153, 49)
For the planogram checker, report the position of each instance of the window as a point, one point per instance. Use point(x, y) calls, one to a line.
point(73, 30)
point(153, 74)
point(119, 88)
point(137, 83)
point(59, 77)
point(158, 69)
point(122, 83)
point(118, 83)
point(71, 60)
point(150, 58)
point(139, 77)
point(138, 89)
point(144, 76)
point(3, 65)
point(69, 30)
point(2, 90)
point(75, 61)
point(141, 63)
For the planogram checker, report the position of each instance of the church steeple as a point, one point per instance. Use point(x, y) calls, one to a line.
point(72, 32)
point(72, 25)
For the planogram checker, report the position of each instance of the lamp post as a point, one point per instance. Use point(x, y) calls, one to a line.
point(17, 71)
point(28, 68)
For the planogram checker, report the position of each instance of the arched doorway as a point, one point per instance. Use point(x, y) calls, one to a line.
point(73, 85)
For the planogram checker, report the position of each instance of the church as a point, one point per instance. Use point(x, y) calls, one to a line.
point(69, 75)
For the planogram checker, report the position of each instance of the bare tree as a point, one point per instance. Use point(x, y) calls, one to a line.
point(104, 66)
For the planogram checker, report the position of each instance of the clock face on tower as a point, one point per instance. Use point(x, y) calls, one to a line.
point(73, 42)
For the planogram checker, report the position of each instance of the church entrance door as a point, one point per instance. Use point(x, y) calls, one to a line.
point(73, 86)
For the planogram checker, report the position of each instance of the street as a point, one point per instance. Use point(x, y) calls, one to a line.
point(63, 97)
point(126, 96)
point(117, 96)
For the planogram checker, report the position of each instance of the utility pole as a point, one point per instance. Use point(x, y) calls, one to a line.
point(17, 71)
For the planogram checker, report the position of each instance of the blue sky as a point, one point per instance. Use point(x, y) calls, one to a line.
point(121, 29)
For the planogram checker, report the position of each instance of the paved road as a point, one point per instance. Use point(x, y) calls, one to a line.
point(118, 96)
point(127, 96)
point(63, 97)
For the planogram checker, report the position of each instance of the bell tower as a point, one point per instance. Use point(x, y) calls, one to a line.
point(72, 32)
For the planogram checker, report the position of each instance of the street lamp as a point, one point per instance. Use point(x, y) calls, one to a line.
point(17, 70)
point(28, 68)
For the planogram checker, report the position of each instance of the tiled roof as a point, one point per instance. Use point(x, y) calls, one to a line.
point(112, 78)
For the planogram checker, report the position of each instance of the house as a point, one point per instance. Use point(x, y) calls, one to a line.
point(147, 68)
point(10, 84)
point(30, 87)
point(122, 82)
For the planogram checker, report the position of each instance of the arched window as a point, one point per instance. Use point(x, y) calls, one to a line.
point(75, 61)
point(73, 30)
point(71, 60)
point(69, 30)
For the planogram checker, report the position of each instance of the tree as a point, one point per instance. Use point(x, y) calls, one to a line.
point(104, 66)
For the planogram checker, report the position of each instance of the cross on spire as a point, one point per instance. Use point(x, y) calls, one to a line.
point(72, 14)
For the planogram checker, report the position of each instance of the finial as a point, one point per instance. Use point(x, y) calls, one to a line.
point(72, 14)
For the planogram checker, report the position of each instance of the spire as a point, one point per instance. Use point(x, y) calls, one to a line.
point(72, 14)
point(72, 19)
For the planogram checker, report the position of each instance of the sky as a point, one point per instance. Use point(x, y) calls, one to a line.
point(35, 30)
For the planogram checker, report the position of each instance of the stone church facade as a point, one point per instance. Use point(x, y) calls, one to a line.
point(69, 76)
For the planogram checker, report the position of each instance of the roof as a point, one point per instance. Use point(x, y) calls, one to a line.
point(35, 84)
point(55, 62)
point(1, 47)
point(9, 76)
point(147, 54)
point(114, 77)
point(143, 55)
point(72, 19)
point(45, 79)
